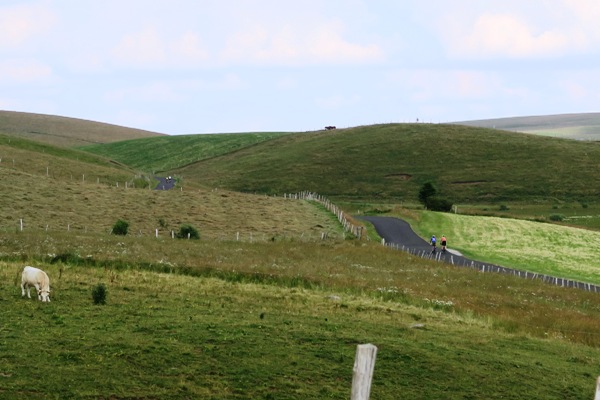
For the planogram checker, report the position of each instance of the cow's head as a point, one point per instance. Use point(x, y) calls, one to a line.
point(44, 295)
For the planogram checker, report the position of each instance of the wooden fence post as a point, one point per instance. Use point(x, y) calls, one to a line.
point(364, 363)
point(597, 397)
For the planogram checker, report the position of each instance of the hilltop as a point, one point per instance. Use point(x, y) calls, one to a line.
point(391, 162)
point(64, 131)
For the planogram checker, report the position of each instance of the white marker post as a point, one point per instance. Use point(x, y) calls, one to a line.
point(364, 364)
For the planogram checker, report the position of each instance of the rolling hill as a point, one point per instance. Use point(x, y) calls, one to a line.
point(64, 131)
point(582, 126)
point(179, 311)
point(468, 164)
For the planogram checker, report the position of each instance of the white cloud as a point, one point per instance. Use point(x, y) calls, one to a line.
point(143, 48)
point(153, 48)
point(428, 84)
point(509, 35)
point(20, 23)
point(23, 71)
point(515, 29)
point(297, 45)
point(152, 92)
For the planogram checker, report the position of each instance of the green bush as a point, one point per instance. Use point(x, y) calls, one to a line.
point(188, 231)
point(99, 294)
point(120, 228)
point(437, 203)
point(556, 217)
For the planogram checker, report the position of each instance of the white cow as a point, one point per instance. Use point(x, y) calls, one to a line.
point(39, 279)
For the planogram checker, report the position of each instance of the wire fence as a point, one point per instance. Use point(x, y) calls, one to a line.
point(484, 267)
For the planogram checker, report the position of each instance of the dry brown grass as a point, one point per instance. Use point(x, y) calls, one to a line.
point(60, 204)
point(63, 131)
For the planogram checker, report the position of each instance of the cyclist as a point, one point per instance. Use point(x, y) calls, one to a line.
point(443, 240)
point(433, 244)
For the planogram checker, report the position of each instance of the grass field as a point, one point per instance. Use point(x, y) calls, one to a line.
point(179, 336)
point(533, 246)
point(165, 153)
point(278, 313)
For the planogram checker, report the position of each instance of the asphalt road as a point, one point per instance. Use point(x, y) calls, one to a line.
point(398, 234)
point(164, 183)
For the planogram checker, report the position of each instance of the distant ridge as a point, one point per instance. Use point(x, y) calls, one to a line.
point(581, 126)
point(65, 131)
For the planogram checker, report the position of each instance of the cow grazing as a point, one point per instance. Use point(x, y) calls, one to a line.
point(37, 278)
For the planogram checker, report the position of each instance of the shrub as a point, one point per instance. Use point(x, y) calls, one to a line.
point(504, 207)
point(120, 227)
point(437, 203)
point(99, 294)
point(556, 217)
point(188, 231)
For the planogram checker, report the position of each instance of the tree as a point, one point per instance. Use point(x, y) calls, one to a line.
point(427, 191)
point(429, 197)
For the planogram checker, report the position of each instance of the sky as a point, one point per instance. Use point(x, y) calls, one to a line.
point(200, 66)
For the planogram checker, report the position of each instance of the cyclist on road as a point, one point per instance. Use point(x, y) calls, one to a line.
point(443, 240)
point(433, 244)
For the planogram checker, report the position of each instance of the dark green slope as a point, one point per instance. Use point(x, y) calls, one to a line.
point(392, 161)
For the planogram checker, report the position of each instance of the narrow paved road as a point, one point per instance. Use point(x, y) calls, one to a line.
point(399, 234)
point(164, 183)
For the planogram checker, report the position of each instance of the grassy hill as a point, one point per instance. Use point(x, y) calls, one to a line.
point(56, 188)
point(277, 313)
point(168, 152)
point(469, 165)
point(582, 126)
point(63, 131)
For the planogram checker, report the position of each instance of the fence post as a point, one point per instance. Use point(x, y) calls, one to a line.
point(364, 363)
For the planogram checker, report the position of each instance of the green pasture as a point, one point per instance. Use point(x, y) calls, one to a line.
point(176, 336)
point(164, 153)
point(545, 248)
point(392, 162)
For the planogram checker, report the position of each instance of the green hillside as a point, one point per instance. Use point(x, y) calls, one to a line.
point(168, 152)
point(468, 165)
point(264, 305)
point(581, 126)
point(64, 131)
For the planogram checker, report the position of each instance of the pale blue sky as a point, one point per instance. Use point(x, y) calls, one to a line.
point(199, 66)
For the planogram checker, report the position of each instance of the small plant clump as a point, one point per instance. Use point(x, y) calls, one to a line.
point(187, 231)
point(120, 228)
point(556, 217)
point(99, 294)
